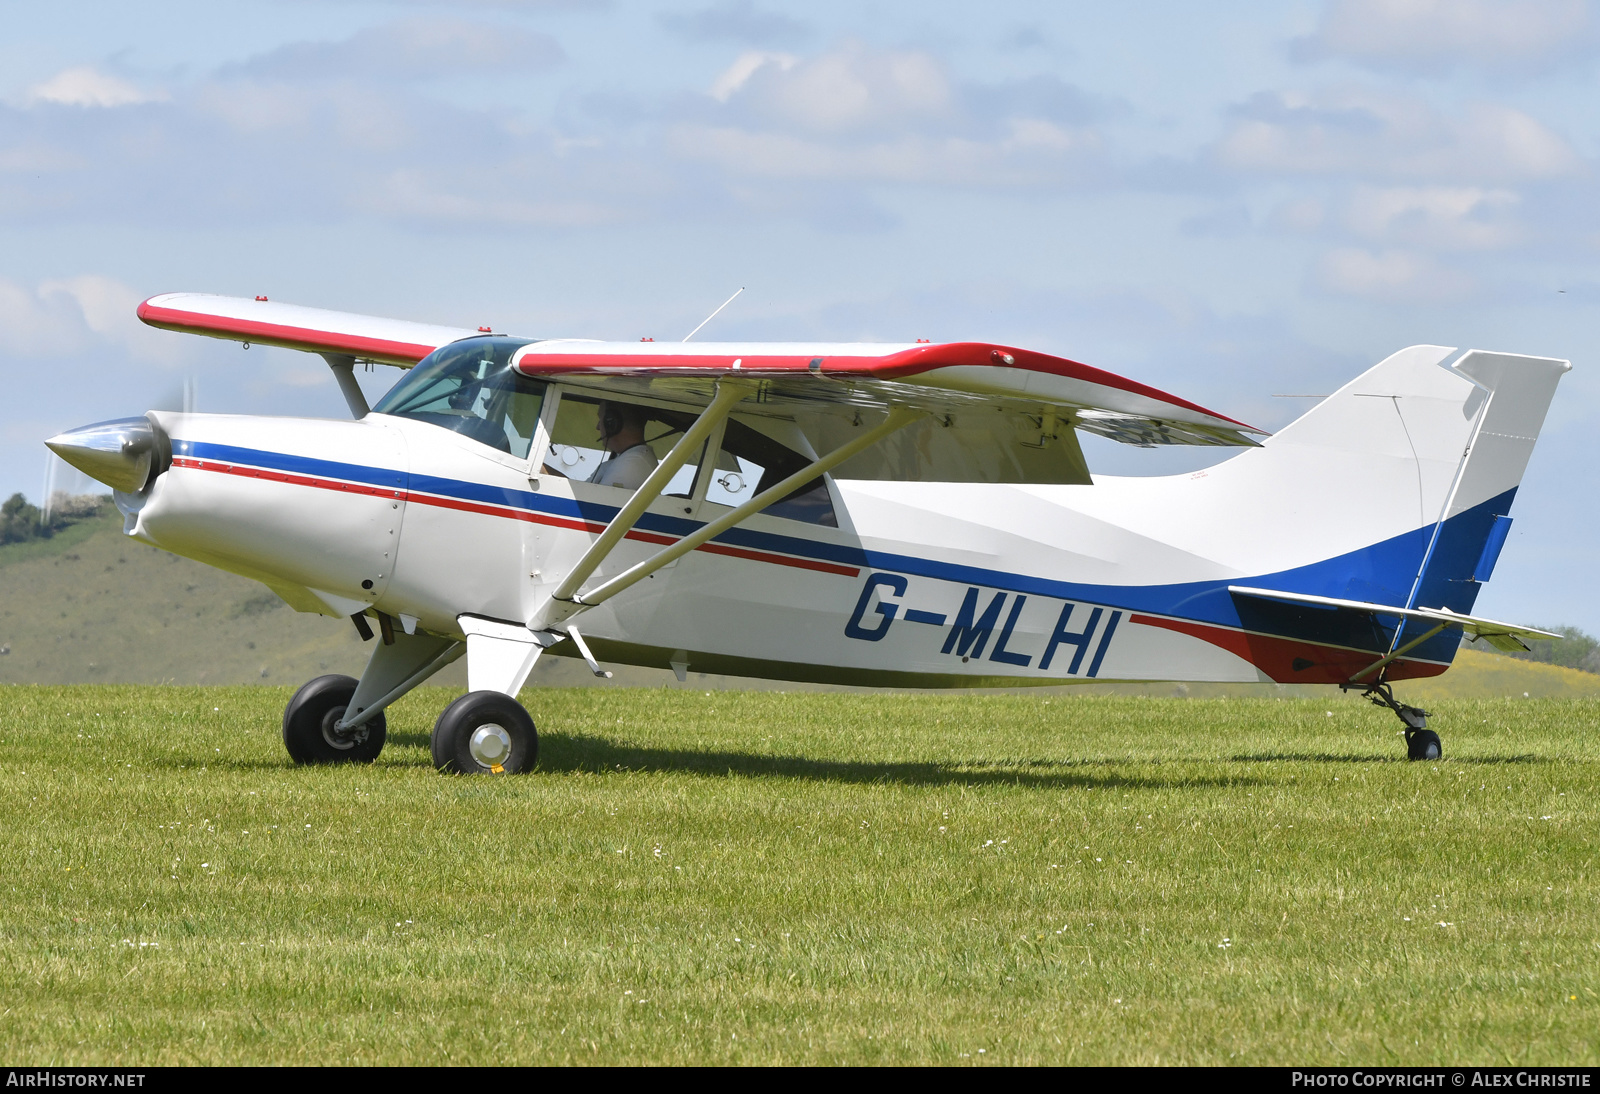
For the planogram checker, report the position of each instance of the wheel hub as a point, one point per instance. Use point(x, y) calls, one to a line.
point(342, 739)
point(490, 746)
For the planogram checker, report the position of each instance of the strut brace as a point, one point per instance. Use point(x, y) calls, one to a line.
point(721, 403)
point(558, 609)
point(1397, 654)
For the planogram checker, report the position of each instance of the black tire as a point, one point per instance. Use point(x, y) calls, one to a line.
point(1423, 744)
point(309, 719)
point(517, 740)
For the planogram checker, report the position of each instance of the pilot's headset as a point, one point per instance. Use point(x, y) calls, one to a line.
point(610, 421)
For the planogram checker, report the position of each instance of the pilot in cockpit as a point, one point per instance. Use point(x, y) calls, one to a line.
point(621, 427)
point(629, 459)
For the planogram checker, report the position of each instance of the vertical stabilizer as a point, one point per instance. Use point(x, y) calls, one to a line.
point(1510, 397)
point(1518, 391)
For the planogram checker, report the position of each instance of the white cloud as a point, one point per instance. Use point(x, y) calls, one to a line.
point(1460, 218)
point(408, 50)
point(1362, 133)
point(1030, 153)
point(329, 131)
point(419, 195)
point(529, 6)
point(1438, 35)
point(853, 115)
point(1300, 215)
point(87, 86)
point(745, 66)
point(1395, 276)
point(107, 306)
point(850, 89)
point(734, 20)
point(59, 319)
point(32, 326)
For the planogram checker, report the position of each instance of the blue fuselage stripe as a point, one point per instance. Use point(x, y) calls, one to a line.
point(1380, 573)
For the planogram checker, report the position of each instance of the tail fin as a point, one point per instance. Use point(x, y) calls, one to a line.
point(1516, 392)
point(1396, 489)
point(1392, 491)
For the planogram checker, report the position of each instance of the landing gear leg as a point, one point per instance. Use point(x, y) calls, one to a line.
point(1422, 743)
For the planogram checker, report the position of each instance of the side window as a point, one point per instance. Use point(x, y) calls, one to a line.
point(615, 442)
point(751, 462)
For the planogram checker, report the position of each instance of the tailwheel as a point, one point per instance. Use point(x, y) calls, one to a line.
point(485, 733)
point(1422, 743)
point(311, 729)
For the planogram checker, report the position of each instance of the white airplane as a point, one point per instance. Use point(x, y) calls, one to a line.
point(910, 515)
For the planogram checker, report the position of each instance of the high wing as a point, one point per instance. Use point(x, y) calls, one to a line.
point(985, 412)
point(315, 330)
point(944, 379)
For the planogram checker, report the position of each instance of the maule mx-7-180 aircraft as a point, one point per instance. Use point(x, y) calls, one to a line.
point(911, 515)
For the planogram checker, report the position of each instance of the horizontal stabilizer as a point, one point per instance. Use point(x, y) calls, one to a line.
point(1504, 636)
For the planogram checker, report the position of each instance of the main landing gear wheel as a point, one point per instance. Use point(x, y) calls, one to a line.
point(311, 730)
point(485, 733)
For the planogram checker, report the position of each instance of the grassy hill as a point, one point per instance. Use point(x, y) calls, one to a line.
point(92, 606)
point(1481, 675)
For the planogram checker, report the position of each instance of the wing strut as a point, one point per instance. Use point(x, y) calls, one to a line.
point(726, 395)
point(555, 611)
point(344, 371)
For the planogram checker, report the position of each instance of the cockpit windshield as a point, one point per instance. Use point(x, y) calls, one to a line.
point(469, 387)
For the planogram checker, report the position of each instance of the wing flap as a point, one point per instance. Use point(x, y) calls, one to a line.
point(315, 330)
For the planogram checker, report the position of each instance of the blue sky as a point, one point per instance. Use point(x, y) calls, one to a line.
point(1228, 200)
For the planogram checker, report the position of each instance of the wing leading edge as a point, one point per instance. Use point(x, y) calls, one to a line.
point(315, 330)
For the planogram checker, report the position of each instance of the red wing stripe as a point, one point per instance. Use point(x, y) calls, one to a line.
point(276, 334)
point(889, 366)
point(441, 502)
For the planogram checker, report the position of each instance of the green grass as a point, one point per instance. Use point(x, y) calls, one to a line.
point(761, 877)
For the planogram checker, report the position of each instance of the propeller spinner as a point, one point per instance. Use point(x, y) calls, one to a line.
point(125, 454)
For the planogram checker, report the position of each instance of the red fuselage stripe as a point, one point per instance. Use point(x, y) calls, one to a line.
point(441, 502)
point(1290, 660)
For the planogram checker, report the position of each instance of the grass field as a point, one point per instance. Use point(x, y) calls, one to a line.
point(761, 877)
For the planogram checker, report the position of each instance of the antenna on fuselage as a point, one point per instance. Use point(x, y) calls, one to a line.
point(713, 315)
